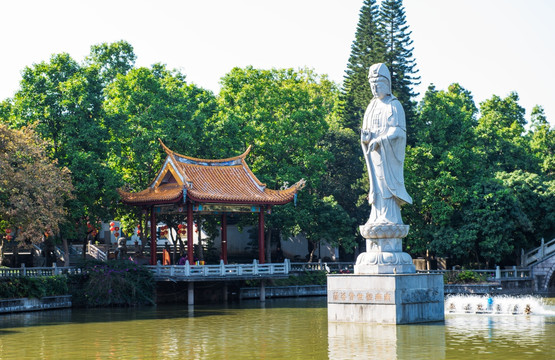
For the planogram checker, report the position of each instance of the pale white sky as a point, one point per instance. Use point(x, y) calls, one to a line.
point(488, 46)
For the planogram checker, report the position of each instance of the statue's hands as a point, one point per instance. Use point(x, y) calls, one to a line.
point(365, 136)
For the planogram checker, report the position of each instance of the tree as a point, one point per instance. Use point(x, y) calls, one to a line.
point(150, 104)
point(399, 59)
point(500, 133)
point(368, 48)
point(542, 141)
point(535, 194)
point(33, 188)
point(441, 168)
point(285, 115)
point(64, 101)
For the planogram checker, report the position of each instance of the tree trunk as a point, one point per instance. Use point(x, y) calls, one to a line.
point(312, 251)
point(181, 246)
point(66, 250)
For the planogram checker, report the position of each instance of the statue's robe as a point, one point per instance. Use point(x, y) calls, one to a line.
point(385, 120)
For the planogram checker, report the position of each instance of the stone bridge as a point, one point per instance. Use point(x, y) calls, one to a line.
point(542, 263)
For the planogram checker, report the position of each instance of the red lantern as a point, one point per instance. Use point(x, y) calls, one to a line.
point(112, 229)
point(139, 226)
point(9, 237)
point(116, 234)
point(8, 231)
point(112, 223)
point(138, 232)
point(117, 228)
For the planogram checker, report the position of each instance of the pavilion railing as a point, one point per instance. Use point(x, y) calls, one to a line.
point(346, 267)
point(221, 270)
point(496, 274)
point(38, 271)
point(171, 271)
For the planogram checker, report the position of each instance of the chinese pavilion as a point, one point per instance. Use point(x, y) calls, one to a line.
point(187, 185)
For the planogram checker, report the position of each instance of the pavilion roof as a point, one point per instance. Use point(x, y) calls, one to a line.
point(208, 181)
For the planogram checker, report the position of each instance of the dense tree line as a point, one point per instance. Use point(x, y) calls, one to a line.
point(482, 181)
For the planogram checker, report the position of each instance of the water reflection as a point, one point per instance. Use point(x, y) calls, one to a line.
point(277, 329)
point(495, 336)
point(367, 341)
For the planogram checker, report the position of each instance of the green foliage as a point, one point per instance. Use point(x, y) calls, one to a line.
point(500, 137)
point(368, 48)
point(542, 141)
point(286, 115)
point(114, 283)
point(27, 287)
point(464, 277)
point(463, 207)
point(305, 278)
point(399, 59)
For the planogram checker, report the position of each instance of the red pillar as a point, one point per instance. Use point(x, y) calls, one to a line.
point(224, 238)
point(190, 253)
point(152, 236)
point(261, 235)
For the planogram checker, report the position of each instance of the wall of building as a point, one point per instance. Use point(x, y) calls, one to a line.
point(293, 247)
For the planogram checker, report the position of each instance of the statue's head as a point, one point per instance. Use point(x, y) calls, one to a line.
point(380, 80)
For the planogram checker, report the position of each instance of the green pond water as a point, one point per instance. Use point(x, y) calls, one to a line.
point(276, 329)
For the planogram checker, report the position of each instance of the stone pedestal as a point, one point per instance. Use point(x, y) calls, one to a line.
point(386, 298)
point(384, 250)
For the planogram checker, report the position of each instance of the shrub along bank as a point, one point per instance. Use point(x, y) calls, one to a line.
point(112, 283)
point(304, 278)
point(24, 287)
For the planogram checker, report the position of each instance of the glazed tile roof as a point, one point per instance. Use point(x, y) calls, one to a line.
point(210, 181)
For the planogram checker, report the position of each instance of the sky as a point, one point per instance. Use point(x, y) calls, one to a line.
point(490, 47)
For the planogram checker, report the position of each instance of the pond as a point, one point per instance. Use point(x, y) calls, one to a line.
point(277, 329)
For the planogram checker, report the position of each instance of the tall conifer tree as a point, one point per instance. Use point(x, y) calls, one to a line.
point(398, 57)
point(367, 49)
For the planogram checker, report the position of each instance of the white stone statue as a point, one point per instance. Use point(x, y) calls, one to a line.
point(383, 140)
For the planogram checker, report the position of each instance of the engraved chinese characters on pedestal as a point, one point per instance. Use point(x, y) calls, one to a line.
point(383, 140)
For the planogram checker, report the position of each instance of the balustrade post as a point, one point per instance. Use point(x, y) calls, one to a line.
point(55, 268)
point(172, 270)
point(187, 268)
point(255, 267)
point(287, 266)
point(514, 271)
point(497, 273)
point(23, 270)
point(222, 268)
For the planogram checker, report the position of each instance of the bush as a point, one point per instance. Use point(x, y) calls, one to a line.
point(306, 278)
point(464, 277)
point(112, 283)
point(26, 287)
